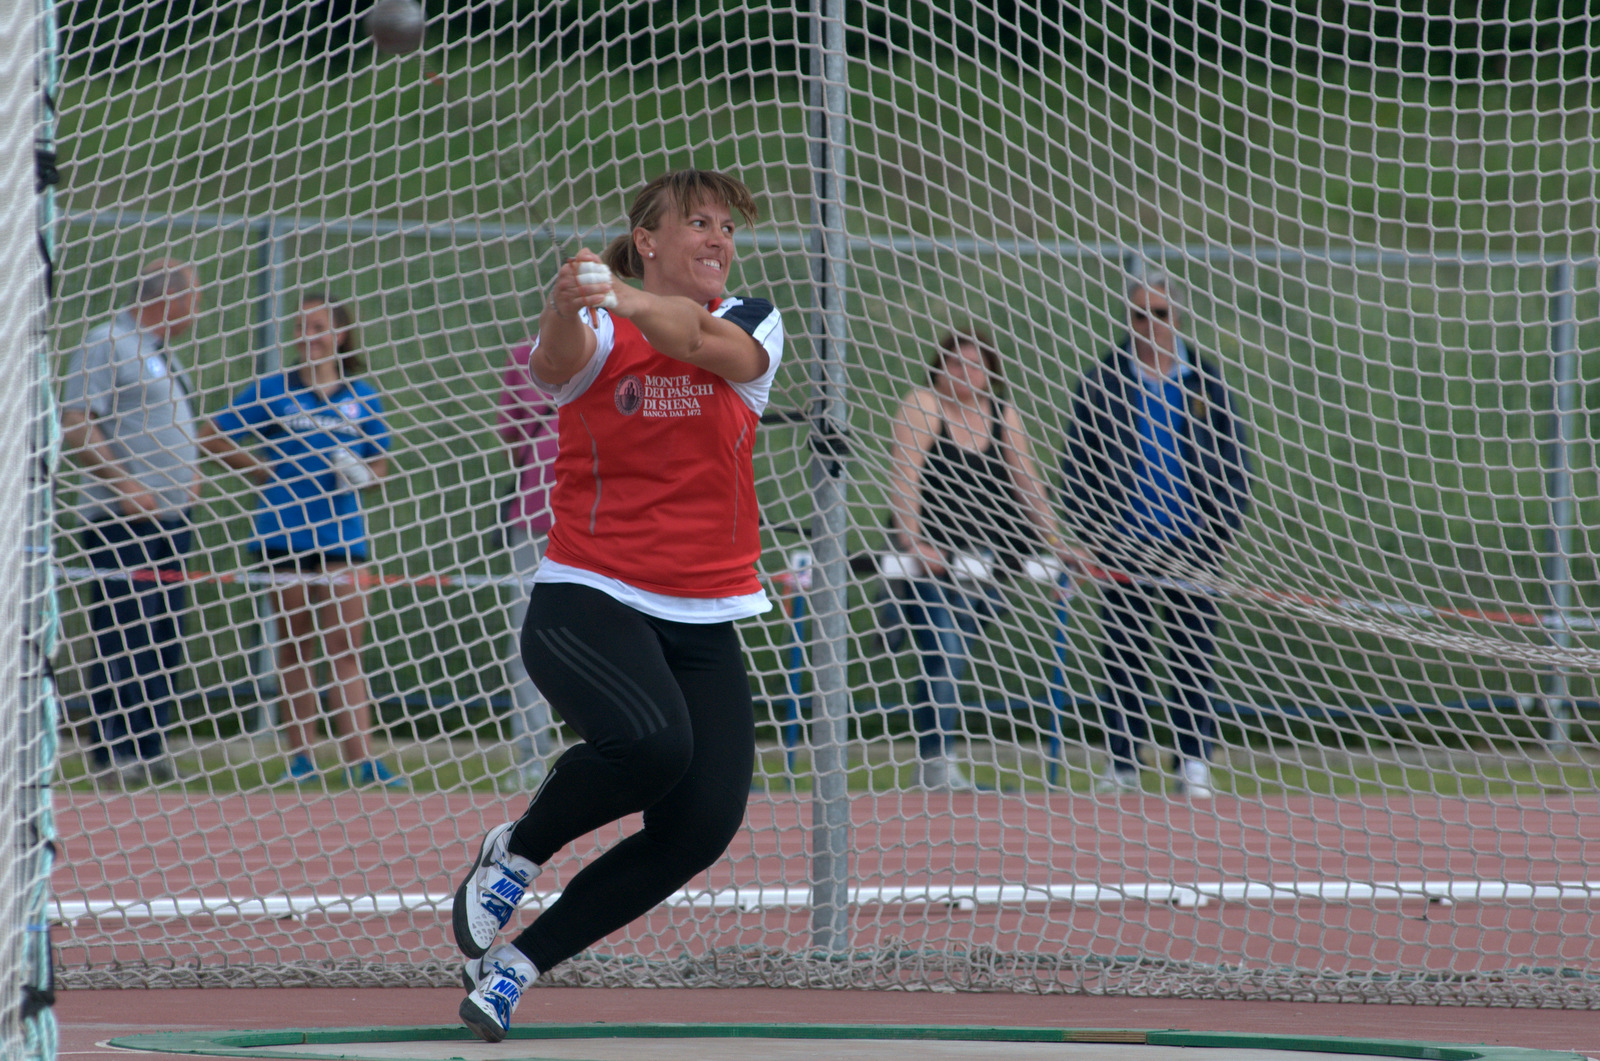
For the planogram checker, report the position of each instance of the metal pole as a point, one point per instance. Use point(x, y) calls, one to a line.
point(830, 800)
point(37, 705)
point(269, 361)
point(269, 296)
point(1558, 489)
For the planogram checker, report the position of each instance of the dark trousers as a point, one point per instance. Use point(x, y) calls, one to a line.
point(138, 625)
point(668, 728)
point(1126, 617)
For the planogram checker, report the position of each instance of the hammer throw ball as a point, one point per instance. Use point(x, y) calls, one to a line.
point(593, 274)
point(395, 26)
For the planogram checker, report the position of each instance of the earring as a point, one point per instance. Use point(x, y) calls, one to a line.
point(652, 254)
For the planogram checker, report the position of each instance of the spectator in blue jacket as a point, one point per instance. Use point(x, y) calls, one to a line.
point(1157, 481)
point(321, 435)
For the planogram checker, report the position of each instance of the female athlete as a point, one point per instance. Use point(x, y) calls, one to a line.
point(629, 632)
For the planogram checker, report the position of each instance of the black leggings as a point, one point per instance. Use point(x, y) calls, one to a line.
point(668, 729)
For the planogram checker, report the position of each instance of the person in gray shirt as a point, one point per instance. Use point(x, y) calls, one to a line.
point(128, 419)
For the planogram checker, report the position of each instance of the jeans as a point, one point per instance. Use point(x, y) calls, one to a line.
point(943, 620)
point(138, 625)
point(1127, 614)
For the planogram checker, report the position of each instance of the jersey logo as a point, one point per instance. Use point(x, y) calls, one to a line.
point(351, 410)
point(629, 395)
point(155, 366)
point(666, 396)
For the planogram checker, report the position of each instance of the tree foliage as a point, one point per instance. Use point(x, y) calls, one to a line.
point(1138, 39)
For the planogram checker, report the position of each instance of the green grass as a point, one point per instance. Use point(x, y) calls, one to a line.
point(1396, 413)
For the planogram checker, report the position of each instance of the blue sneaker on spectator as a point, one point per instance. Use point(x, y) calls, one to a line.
point(301, 770)
point(373, 772)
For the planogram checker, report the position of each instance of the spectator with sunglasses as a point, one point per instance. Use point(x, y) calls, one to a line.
point(1156, 479)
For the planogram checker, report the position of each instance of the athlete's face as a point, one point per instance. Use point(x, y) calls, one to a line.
point(689, 254)
point(314, 334)
point(964, 368)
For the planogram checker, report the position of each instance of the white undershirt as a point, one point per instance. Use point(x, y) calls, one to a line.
point(659, 605)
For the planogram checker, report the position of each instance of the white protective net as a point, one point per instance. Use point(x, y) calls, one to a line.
point(1378, 239)
point(27, 599)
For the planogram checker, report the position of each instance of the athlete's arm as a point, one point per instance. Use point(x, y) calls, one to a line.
point(566, 341)
point(686, 331)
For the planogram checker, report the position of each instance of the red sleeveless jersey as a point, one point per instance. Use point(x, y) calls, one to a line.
point(655, 485)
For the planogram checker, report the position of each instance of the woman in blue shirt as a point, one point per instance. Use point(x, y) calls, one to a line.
point(321, 433)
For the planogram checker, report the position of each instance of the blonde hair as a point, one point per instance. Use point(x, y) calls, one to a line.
point(680, 190)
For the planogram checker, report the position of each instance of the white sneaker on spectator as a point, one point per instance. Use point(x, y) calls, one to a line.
point(1115, 782)
point(943, 774)
point(163, 771)
point(126, 774)
point(1194, 779)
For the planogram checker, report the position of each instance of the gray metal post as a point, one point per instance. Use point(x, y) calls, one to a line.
point(830, 725)
point(269, 359)
point(37, 737)
point(1558, 489)
point(269, 296)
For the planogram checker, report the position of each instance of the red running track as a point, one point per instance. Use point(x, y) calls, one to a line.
point(146, 846)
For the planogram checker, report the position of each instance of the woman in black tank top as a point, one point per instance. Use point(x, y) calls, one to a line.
point(965, 499)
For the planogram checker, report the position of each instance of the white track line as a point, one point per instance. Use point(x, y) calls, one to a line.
point(297, 906)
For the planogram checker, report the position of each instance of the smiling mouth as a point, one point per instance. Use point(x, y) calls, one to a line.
point(710, 263)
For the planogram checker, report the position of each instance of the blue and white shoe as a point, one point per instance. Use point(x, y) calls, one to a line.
point(471, 974)
point(490, 893)
point(502, 976)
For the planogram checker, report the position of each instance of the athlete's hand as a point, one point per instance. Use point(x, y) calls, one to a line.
point(571, 294)
point(624, 300)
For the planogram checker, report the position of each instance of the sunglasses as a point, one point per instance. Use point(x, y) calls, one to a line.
point(1160, 313)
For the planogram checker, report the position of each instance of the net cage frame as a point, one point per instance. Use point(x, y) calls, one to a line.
point(827, 256)
point(31, 622)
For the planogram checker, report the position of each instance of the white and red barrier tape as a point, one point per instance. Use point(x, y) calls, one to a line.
point(797, 579)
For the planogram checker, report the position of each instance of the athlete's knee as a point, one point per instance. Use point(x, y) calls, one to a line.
point(718, 834)
point(702, 850)
point(657, 762)
point(702, 835)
